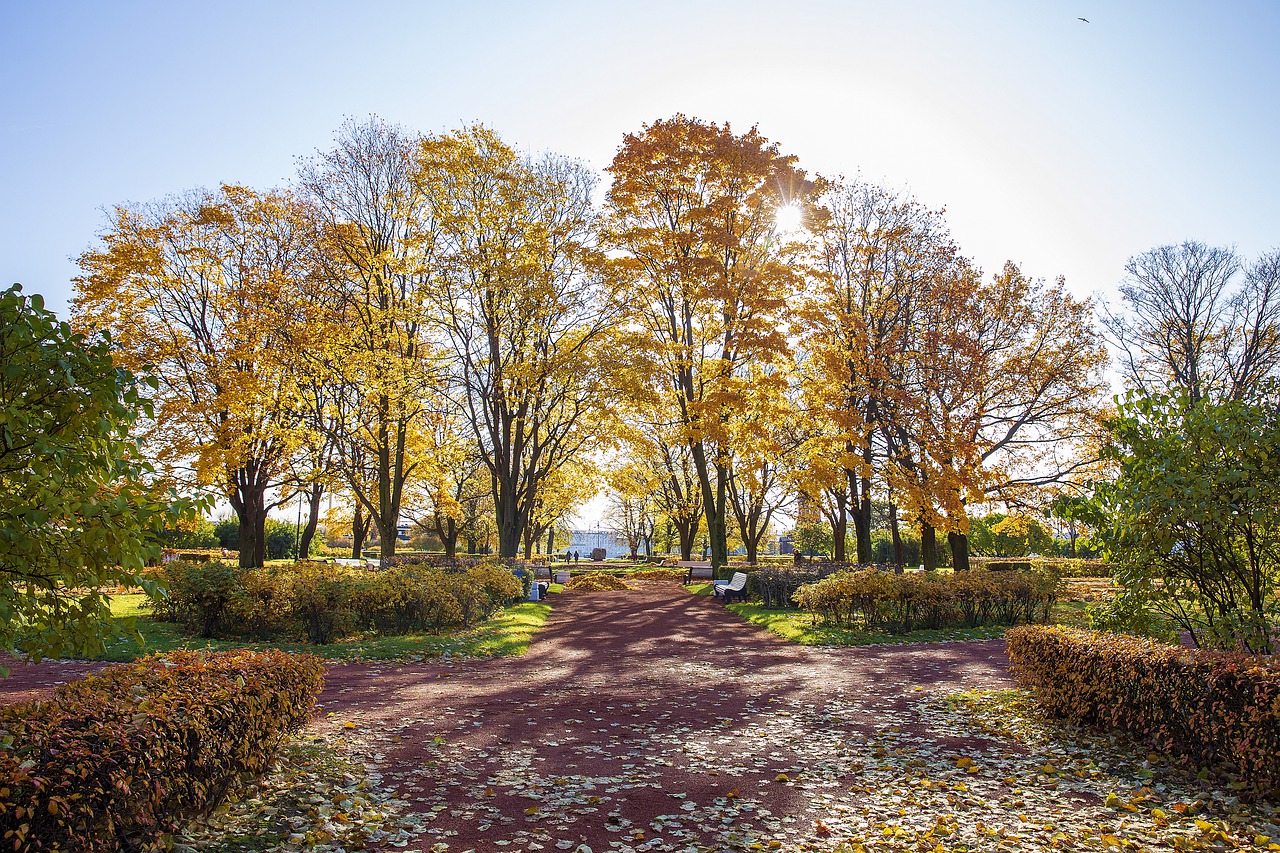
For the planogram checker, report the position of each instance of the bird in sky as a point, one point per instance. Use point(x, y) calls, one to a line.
point(1086, 20)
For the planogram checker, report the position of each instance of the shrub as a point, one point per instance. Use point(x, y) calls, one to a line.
point(596, 582)
point(879, 599)
point(117, 760)
point(1209, 706)
point(776, 586)
point(321, 598)
point(198, 595)
point(322, 602)
point(1063, 567)
point(1192, 521)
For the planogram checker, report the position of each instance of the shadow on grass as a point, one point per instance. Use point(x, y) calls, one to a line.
point(507, 632)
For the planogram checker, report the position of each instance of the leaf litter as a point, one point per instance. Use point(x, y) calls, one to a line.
point(879, 751)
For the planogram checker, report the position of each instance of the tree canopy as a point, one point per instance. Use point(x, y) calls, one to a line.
point(77, 496)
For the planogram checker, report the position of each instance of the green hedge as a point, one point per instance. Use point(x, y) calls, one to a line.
point(1063, 567)
point(322, 602)
point(1209, 706)
point(900, 603)
point(115, 761)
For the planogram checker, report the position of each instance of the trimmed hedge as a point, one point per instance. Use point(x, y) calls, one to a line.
point(1209, 706)
point(906, 602)
point(117, 760)
point(322, 602)
point(1063, 567)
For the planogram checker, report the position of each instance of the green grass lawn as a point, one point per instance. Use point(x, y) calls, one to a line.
point(508, 632)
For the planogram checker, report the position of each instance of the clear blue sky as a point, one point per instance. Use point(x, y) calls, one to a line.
point(1063, 145)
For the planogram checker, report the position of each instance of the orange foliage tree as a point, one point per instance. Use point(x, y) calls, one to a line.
point(693, 209)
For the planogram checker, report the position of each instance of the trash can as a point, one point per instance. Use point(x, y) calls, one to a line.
point(533, 592)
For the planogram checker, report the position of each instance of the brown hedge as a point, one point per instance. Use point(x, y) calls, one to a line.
point(1213, 707)
point(117, 760)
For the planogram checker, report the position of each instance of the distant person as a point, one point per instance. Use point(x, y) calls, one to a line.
point(568, 555)
point(575, 558)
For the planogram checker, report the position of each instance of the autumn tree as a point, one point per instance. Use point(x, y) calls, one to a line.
point(918, 373)
point(632, 508)
point(521, 301)
point(1198, 318)
point(559, 494)
point(457, 491)
point(200, 289)
point(1002, 387)
point(764, 435)
point(693, 207)
point(879, 255)
point(369, 335)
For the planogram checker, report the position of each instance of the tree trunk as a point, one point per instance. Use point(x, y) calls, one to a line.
point(387, 533)
point(839, 529)
point(359, 530)
point(959, 551)
point(510, 524)
point(719, 534)
point(313, 520)
point(898, 558)
point(862, 522)
point(928, 547)
point(249, 500)
point(713, 505)
point(449, 537)
point(688, 534)
point(551, 540)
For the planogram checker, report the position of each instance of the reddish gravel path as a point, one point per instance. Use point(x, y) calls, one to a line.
point(645, 720)
point(32, 681)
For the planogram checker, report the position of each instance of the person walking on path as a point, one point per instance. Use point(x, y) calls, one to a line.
point(575, 558)
point(567, 554)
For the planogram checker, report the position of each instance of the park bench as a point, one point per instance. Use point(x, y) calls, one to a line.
point(695, 569)
point(736, 588)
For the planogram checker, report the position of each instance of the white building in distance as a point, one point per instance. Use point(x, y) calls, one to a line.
point(586, 541)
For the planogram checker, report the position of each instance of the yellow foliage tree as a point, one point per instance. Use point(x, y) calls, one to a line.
point(201, 289)
point(522, 300)
point(694, 209)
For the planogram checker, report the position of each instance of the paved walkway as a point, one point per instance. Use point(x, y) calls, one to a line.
point(645, 720)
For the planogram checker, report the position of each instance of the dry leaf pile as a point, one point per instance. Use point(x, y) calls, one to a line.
point(596, 582)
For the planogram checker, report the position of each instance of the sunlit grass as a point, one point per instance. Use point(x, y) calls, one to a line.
point(507, 632)
point(797, 626)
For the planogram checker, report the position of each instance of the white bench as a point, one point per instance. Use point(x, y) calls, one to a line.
point(696, 569)
point(729, 590)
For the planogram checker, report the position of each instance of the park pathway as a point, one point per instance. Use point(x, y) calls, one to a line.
point(652, 720)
